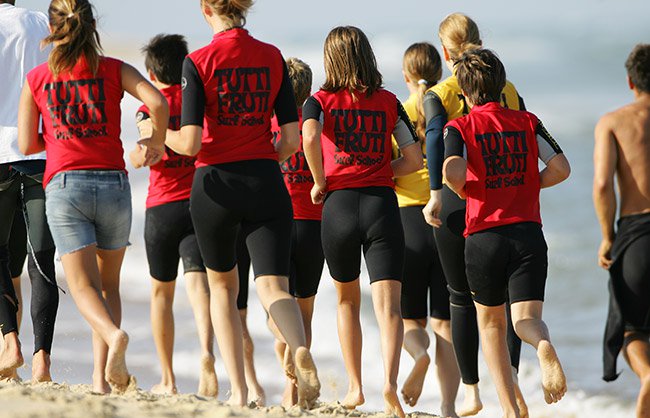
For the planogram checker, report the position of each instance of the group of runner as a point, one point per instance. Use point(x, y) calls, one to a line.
point(442, 201)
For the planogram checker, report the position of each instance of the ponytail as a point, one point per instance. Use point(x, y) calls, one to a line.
point(233, 12)
point(459, 34)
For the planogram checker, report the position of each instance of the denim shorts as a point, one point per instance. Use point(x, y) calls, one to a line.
point(86, 207)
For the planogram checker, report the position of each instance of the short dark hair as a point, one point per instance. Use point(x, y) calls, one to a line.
point(638, 67)
point(481, 76)
point(164, 55)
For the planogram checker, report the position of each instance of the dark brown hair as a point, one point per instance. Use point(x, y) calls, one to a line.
point(74, 35)
point(300, 76)
point(350, 63)
point(164, 55)
point(422, 64)
point(638, 67)
point(232, 11)
point(481, 76)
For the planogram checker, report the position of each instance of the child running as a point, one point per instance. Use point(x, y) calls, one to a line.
point(231, 89)
point(424, 289)
point(77, 95)
point(353, 175)
point(505, 250)
point(168, 231)
point(307, 257)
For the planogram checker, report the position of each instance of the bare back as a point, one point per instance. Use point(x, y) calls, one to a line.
point(630, 128)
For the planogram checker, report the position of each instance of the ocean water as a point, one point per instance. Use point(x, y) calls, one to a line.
point(566, 59)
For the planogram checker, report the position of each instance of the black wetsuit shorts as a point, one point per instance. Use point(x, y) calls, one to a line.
point(423, 281)
point(509, 260)
point(168, 236)
point(365, 219)
point(247, 196)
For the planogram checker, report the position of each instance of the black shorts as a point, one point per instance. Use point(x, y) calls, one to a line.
point(633, 288)
point(508, 260)
point(364, 218)
point(247, 196)
point(423, 278)
point(168, 236)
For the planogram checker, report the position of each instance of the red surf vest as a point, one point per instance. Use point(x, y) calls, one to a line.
point(81, 116)
point(241, 77)
point(171, 179)
point(502, 169)
point(356, 138)
point(298, 179)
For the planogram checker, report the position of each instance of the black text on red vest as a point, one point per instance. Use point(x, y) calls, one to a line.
point(242, 95)
point(504, 155)
point(361, 134)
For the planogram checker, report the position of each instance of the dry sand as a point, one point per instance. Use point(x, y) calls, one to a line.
point(52, 400)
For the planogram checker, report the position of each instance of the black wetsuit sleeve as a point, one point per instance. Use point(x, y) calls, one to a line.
point(193, 109)
point(454, 144)
point(435, 116)
point(404, 132)
point(522, 105)
point(546, 144)
point(285, 103)
point(141, 115)
point(312, 110)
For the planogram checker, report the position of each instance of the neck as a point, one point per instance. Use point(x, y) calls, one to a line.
point(219, 25)
point(157, 84)
point(413, 88)
point(641, 96)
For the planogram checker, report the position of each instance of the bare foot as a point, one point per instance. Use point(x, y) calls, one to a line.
point(208, 383)
point(14, 377)
point(553, 379)
point(10, 360)
point(237, 399)
point(412, 388)
point(472, 404)
point(290, 395)
point(288, 365)
point(391, 402)
point(521, 402)
point(41, 367)
point(257, 396)
point(353, 399)
point(100, 385)
point(116, 373)
point(307, 378)
point(163, 389)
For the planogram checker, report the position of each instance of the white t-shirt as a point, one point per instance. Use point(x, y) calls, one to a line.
point(21, 33)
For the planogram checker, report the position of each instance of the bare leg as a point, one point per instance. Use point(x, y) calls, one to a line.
point(224, 288)
point(256, 393)
point(198, 292)
point(350, 337)
point(306, 306)
point(637, 353)
point(472, 404)
point(273, 292)
point(492, 329)
point(11, 357)
point(416, 343)
point(527, 319)
point(386, 302)
point(446, 366)
point(162, 326)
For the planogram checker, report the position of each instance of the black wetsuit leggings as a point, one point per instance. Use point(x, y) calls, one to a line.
point(464, 328)
point(634, 289)
point(20, 190)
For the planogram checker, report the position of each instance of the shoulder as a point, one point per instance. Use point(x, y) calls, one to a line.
point(446, 87)
point(38, 73)
point(509, 87)
point(410, 105)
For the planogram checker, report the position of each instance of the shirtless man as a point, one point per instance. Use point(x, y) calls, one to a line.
point(622, 148)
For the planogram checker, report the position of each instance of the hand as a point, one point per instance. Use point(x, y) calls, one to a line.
point(145, 128)
point(604, 254)
point(432, 209)
point(318, 193)
point(153, 153)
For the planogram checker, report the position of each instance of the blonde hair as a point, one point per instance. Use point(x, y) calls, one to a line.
point(459, 34)
point(233, 12)
point(301, 77)
point(350, 63)
point(74, 35)
point(422, 64)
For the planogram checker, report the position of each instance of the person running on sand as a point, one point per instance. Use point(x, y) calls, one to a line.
point(446, 212)
point(622, 150)
point(231, 88)
point(77, 95)
point(21, 190)
point(505, 250)
point(424, 289)
point(353, 178)
point(168, 231)
point(307, 257)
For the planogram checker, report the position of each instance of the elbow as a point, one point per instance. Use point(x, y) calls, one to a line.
point(417, 163)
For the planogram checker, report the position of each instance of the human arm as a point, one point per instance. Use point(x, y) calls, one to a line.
point(29, 140)
point(312, 128)
point(411, 159)
point(187, 141)
point(557, 166)
point(604, 195)
point(137, 86)
point(137, 156)
point(454, 169)
point(286, 113)
point(436, 118)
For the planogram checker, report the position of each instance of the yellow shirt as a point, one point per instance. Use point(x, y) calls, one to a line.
point(413, 189)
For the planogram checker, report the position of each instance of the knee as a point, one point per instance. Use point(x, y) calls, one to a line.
point(441, 326)
point(460, 297)
point(162, 291)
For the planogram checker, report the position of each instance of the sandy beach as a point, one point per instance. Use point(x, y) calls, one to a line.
point(76, 401)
